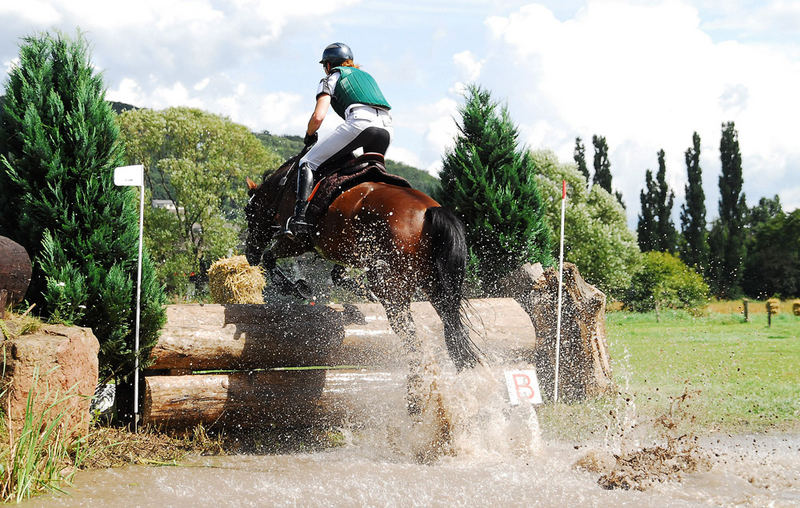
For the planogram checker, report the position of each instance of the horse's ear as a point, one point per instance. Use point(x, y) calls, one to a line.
point(251, 184)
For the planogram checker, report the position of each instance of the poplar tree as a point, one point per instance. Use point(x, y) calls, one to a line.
point(694, 237)
point(647, 229)
point(490, 184)
point(667, 236)
point(602, 166)
point(59, 145)
point(579, 155)
point(727, 237)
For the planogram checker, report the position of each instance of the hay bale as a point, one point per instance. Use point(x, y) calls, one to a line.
point(796, 307)
point(773, 306)
point(233, 280)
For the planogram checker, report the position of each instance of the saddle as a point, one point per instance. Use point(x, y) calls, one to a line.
point(338, 178)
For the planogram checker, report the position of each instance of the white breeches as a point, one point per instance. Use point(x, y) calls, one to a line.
point(346, 136)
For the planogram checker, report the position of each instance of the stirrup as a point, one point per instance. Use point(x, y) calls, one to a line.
point(287, 229)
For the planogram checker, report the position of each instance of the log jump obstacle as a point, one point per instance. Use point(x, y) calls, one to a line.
point(353, 344)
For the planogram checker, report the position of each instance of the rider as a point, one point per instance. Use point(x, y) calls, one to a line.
point(356, 97)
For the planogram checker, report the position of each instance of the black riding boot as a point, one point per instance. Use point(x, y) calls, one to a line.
point(305, 182)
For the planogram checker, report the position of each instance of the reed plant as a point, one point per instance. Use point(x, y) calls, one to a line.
point(43, 455)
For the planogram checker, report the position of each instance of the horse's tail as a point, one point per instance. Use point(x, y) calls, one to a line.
point(449, 255)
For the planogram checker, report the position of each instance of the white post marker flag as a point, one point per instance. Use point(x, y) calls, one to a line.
point(560, 280)
point(133, 176)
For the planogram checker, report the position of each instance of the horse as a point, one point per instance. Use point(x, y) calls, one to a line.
point(402, 238)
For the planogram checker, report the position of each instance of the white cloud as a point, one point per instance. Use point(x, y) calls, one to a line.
point(403, 155)
point(10, 64)
point(279, 113)
point(35, 11)
point(200, 85)
point(468, 65)
point(646, 77)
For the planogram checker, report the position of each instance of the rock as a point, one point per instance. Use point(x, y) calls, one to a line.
point(65, 360)
point(584, 368)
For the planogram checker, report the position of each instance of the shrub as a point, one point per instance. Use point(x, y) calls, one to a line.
point(59, 145)
point(665, 281)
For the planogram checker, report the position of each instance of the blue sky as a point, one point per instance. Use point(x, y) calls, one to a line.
point(644, 74)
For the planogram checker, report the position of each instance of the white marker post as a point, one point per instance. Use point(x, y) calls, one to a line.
point(560, 280)
point(133, 176)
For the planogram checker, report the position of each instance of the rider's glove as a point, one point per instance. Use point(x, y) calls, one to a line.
point(310, 139)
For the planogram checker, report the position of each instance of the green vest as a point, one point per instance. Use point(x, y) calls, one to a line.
point(356, 86)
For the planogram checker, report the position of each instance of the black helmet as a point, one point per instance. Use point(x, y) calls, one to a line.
point(336, 53)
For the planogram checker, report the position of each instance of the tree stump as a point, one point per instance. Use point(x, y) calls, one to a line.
point(584, 368)
point(15, 273)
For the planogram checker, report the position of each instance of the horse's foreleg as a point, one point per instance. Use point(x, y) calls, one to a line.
point(283, 283)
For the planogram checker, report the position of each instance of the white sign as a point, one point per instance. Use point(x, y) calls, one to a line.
point(523, 386)
point(129, 176)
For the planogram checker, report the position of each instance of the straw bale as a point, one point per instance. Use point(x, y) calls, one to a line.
point(796, 307)
point(233, 280)
point(773, 306)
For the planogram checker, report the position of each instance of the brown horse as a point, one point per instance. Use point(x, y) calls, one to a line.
point(401, 238)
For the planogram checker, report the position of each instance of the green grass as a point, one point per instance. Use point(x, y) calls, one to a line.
point(39, 458)
point(740, 377)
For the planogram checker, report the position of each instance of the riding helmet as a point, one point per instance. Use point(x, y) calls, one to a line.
point(336, 53)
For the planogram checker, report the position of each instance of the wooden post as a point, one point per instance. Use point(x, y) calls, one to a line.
point(3, 295)
point(746, 314)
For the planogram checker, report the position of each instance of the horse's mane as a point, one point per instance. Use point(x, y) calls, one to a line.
point(272, 179)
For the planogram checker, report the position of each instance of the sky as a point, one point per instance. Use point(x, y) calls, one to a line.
point(644, 74)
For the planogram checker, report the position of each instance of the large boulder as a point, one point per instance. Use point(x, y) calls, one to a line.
point(584, 368)
point(60, 364)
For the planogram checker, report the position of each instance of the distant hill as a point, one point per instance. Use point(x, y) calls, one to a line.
point(288, 146)
point(118, 107)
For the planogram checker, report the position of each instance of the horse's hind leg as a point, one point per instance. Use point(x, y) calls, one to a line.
point(402, 324)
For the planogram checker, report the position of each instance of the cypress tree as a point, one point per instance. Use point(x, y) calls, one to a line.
point(647, 229)
point(60, 146)
point(727, 237)
point(694, 241)
point(667, 236)
point(491, 185)
point(602, 166)
point(579, 155)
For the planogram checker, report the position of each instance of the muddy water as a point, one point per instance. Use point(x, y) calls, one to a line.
point(494, 456)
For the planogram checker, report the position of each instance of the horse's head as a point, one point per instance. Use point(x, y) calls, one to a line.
point(258, 224)
point(261, 210)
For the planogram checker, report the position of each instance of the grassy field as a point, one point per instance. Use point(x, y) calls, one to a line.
point(738, 377)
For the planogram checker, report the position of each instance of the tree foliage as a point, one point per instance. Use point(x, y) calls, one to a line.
point(597, 238)
point(491, 185)
point(667, 235)
point(602, 166)
point(60, 146)
point(772, 267)
point(655, 230)
point(665, 281)
point(199, 162)
point(694, 236)
point(727, 237)
point(647, 227)
point(579, 156)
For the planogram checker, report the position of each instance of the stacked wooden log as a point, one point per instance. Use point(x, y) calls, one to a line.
point(180, 392)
